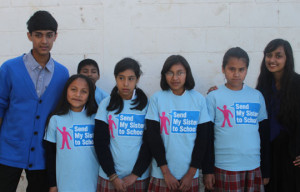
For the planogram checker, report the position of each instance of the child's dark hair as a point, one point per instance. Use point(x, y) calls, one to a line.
point(287, 89)
point(41, 20)
point(86, 62)
point(63, 106)
point(174, 60)
point(116, 101)
point(235, 52)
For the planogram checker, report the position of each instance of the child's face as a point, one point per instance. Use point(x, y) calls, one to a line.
point(275, 60)
point(235, 72)
point(42, 41)
point(91, 72)
point(176, 77)
point(126, 83)
point(77, 94)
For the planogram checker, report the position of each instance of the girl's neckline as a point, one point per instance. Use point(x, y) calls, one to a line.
point(83, 109)
point(177, 95)
point(235, 90)
point(133, 96)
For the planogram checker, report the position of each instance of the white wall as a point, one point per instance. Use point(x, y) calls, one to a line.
point(151, 30)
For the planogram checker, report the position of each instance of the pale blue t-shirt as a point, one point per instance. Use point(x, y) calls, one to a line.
point(100, 95)
point(178, 117)
point(76, 161)
point(236, 115)
point(126, 130)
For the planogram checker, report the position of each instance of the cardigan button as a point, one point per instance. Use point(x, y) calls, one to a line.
point(37, 117)
point(40, 101)
point(32, 149)
point(35, 133)
point(30, 165)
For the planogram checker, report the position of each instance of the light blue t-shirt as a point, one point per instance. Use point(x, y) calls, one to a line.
point(236, 115)
point(76, 162)
point(126, 130)
point(100, 95)
point(178, 117)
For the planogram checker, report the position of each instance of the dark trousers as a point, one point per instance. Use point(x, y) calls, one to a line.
point(285, 177)
point(10, 176)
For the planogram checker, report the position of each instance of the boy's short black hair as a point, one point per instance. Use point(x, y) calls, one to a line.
point(173, 60)
point(41, 20)
point(235, 52)
point(86, 62)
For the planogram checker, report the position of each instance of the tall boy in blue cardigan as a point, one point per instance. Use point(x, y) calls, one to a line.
point(30, 86)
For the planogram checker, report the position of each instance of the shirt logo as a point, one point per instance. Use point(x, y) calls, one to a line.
point(226, 113)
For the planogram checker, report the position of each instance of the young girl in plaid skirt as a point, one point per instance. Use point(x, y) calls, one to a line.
point(178, 130)
point(240, 129)
point(119, 127)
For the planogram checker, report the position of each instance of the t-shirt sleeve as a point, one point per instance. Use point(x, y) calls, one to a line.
point(102, 112)
point(105, 94)
point(152, 113)
point(50, 134)
point(100, 95)
point(262, 111)
point(210, 103)
point(204, 116)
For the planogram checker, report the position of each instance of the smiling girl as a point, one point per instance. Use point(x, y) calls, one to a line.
point(280, 85)
point(71, 160)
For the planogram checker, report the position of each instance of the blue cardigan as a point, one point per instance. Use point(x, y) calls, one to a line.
point(24, 114)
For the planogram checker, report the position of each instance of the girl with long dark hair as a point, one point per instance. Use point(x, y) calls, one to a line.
point(71, 159)
point(280, 85)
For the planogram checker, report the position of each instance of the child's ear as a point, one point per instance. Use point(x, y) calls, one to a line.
point(55, 36)
point(29, 36)
point(223, 70)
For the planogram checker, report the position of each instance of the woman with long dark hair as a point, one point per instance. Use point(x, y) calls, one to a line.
point(280, 85)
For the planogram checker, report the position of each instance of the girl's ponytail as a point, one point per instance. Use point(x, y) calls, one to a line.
point(116, 101)
point(140, 101)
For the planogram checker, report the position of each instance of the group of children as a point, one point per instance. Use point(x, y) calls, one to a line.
point(125, 142)
point(226, 135)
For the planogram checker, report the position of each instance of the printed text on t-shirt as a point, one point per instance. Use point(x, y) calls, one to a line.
point(131, 125)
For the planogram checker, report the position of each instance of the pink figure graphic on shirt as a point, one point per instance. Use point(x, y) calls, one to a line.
point(163, 123)
point(65, 135)
point(110, 125)
point(226, 113)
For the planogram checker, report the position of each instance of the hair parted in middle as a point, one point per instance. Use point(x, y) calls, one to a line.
point(235, 52)
point(174, 60)
point(288, 83)
point(116, 101)
point(63, 105)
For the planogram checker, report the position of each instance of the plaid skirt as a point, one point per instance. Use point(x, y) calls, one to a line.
point(105, 185)
point(238, 181)
point(159, 185)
